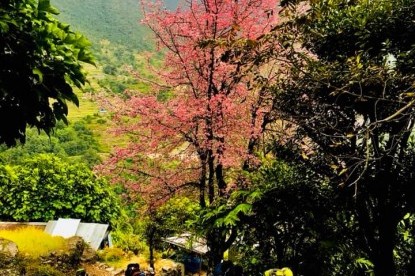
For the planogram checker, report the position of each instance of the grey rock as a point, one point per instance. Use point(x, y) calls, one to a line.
point(8, 251)
point(8, 247)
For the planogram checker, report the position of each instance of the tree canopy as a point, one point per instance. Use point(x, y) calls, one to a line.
point(40, 58)
point(348, 97)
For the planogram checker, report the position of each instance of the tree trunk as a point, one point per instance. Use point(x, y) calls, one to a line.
point(215, 243)
point(211, 177)
point(378, 218)
point(384, 262)
point(151, 249)
point(202, 184)
point(220, 180)
point(218, 243)
point(151, 230)
point(386, 218)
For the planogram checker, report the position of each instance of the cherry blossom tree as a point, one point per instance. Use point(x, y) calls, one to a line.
point(201, 135)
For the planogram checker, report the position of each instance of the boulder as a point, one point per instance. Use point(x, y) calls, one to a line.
point(89, 255)
point(8, 252)
point(68, 259)
point(76, 246)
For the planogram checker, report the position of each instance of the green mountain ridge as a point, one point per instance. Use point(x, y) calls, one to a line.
point(117, 21)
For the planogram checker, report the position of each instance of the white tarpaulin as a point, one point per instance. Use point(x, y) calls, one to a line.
point(65, 227)
point(92, 233)
point(49, 226)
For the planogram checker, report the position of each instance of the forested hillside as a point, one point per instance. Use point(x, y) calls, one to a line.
point(113, 20)
point(118, 39)
point(116, 21)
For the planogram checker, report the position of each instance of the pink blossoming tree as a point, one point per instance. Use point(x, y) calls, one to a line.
point(207, 130)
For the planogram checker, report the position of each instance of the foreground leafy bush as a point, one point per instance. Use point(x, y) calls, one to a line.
point(45, 187)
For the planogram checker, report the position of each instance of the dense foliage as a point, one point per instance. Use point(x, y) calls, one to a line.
point(349, 98)
point(39, 61)
point(290, 217)
point(45, 187)
point(74, 142)
point(345, 107)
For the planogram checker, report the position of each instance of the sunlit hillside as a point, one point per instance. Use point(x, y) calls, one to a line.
point(113, 20)
point(118, 39)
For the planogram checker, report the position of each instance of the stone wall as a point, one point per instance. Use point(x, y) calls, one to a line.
point(4, 225)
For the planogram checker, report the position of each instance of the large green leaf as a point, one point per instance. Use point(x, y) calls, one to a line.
point(45, 6)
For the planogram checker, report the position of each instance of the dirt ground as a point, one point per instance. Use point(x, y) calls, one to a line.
point(95, 270)
point(99, 269)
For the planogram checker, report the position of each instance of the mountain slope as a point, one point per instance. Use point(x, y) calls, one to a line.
point(115, 20)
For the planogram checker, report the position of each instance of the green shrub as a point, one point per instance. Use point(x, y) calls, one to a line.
point(109, 70)
point(46, 187)
point(44, 270)
point(111, 254)
point(129, 241)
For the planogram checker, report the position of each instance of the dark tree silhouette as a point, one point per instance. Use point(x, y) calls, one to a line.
point(39, 61)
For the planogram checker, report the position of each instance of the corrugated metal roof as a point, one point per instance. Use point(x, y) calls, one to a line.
point(189, 242)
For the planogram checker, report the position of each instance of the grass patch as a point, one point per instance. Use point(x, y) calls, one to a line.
point(86, 107)
point(33, 241)
point(113, 256)
point(97, 122)
point(43, 270)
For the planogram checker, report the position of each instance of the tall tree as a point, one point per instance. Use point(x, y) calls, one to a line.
point(39, 61)
point(208, 128)
point(349, 98)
